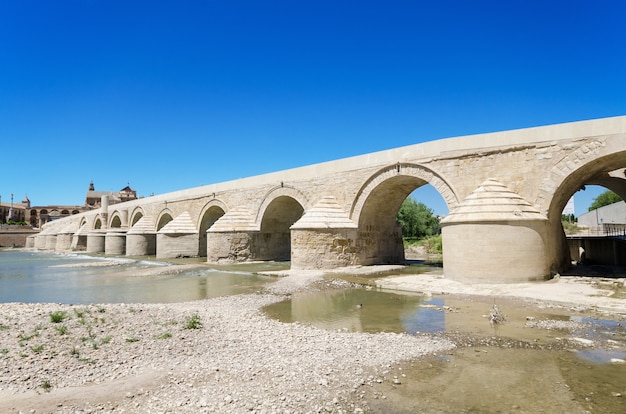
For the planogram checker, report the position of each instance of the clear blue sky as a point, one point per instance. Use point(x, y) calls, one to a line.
point(171, 95)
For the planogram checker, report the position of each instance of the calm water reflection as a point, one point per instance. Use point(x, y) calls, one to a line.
point(47, 277)
point(360, 310)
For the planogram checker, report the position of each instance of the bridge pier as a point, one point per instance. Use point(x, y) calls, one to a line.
point(95, 241)
point(230, 246)
point(79, 240)
point(40, 241)
point(178, 238)
point(324, 238)
point(495, 236)
point(30, 242)
point(140, 244)
point(64, 240)
point(141, 238)
point(115, 241)
point(51, 241)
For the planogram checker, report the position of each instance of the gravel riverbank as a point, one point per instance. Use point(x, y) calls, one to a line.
point(218, 355)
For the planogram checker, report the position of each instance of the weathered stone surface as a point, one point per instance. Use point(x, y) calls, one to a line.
point(495, 224)
point(543, 166)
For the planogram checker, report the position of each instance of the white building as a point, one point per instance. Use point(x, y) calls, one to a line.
point(605, 220)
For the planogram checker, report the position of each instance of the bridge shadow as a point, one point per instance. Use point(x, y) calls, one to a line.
point(596, 270)
point(423, 262)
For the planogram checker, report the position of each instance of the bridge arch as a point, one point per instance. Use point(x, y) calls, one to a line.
point(599, 167)
point(116, 220)
point(399, 180)
point(97, 223)
point(281, 207)
point(165, 216)
point(211, 212)
point(136, 215)
point(377, 204)
point(278, 192)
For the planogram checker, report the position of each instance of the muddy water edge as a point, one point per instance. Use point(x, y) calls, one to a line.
point(543, 359)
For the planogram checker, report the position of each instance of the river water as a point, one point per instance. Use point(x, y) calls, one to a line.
point(82, 279)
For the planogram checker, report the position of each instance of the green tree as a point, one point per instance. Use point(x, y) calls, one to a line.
point(417, 220)
point(604, 199)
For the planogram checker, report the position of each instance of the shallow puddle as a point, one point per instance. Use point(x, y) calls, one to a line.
point(542, 359)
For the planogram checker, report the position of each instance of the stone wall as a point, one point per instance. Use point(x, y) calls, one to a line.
point(15, 237)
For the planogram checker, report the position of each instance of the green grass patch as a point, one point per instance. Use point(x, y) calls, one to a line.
point(46, 385)
point(193, 322)
point(58, 316)
point(37, 349)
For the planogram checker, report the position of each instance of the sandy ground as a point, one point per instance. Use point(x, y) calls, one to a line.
point(602, 294)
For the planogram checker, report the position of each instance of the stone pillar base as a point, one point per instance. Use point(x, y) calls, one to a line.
point(141, 244)
point(95, 242)
point(115, 243)
point(230, 247)
point(64, 242)
point(506, 252)
point(170, 246)
point(323, 248)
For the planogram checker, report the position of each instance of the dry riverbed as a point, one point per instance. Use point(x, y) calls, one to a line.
point(224, 356)
point(219, 355)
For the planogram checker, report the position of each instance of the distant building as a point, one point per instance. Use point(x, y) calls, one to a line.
point(10, 212)
point(608, 219)
point(94, 198)
point(39, 215)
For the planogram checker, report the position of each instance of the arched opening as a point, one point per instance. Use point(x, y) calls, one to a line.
point(116, 222)
point(98, 224)
point(211, 215)
point(274, 241)
point(420, 218)
point(163, 220)
point(136, 218)
point(584, 184)
point(380, 231)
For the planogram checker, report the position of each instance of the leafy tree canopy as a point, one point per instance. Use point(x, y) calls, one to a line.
point(604, 199)
point(417, 220)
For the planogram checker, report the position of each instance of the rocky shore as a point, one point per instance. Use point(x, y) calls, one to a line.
point(212, 356)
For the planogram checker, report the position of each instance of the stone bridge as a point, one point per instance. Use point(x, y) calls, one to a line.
point(505, 192)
